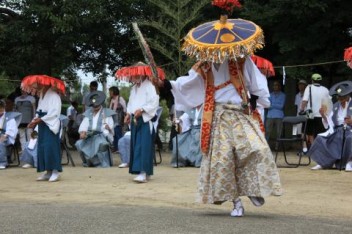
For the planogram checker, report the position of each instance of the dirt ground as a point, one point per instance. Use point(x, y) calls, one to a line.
point(324, 193)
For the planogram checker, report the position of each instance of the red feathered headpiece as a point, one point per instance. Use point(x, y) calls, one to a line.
point(227, 5)
point(348, 56)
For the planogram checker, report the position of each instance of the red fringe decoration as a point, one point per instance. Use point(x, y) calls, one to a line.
point(264, 65)
point(227, 5)
point(126, 73)
point(29, 81)
point(348, 56)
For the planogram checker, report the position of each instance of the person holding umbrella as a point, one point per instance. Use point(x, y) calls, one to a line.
point(237, 160)
point(335, 147)
point(48, 121)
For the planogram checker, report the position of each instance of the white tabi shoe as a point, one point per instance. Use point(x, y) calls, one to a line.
point(257, 201)
point(123, 165)
point(44, 177)
point(141, 178)
point(2, 167)
point(55, 176)
point(317, 167)
point(238, 210)
point(26, 166)
point(349, 166)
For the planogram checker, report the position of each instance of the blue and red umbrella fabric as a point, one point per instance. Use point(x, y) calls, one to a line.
point(225, 38)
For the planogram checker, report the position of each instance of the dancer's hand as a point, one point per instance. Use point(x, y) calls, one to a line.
point(34, 122)
point(138, 113)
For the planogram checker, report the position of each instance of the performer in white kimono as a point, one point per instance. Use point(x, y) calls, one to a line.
point(8, 133)
point(96, 132)
point(188, 147)
point(335, 147)
point(237, 160)
point(48, 121)
point(141, 109)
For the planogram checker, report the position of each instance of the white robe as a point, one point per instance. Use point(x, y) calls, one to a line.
point(189, 91)
point(50, 103)
point(107, 120)
point(145, 97)
point(11, 129)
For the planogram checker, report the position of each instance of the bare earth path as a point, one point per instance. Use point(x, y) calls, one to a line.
point(95, 200)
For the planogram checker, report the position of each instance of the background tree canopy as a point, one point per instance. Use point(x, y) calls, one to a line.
point(57, 37)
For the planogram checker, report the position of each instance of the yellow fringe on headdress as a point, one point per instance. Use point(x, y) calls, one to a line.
point(219, 52)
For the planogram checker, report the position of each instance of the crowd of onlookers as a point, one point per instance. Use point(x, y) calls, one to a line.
point(312, 100)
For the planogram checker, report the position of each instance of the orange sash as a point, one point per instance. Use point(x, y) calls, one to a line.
point(209, 103)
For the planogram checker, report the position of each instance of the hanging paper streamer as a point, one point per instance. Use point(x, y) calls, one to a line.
point(283, 76)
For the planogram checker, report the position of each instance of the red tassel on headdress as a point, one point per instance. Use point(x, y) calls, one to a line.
point(227, 5)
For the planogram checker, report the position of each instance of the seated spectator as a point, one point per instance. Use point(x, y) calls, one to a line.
point(189, 153)
point(8, 133)
point(118, 105)
point(29, 152)
point(327, 150)
point(96, 132)
point(125, 149)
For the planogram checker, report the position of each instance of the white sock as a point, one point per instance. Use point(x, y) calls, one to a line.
point(305, 149)
point(55, 172)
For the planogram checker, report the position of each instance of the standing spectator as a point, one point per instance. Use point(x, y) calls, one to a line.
point(275, 111)
point(302, 84)
point(141, 109)
point(313, 96)
point(118, 105)
point(72, 128)
point(93, 86)
point(25, 104)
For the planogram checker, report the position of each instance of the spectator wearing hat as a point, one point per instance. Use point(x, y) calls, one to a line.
point(8, 133)
point(314, 95)
point(96, 132)
point(335, 147)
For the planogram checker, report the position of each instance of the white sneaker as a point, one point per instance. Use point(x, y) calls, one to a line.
point(123, 165)
point(26, 166)
point(238, 210)
point(54, 177)
point(349, 166)
point(44, 177)
point(141, 178)
point(2, 167)
point(317, 167)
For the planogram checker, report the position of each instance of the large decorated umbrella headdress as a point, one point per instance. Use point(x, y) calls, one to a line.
point(225, 38)
point(348, 56)
point(31, 83)
point(138, 69)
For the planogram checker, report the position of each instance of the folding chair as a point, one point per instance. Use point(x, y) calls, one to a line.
point(288, 123)
point(64, 147)
point(155, 124)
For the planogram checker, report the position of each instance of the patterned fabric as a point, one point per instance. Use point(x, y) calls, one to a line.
point(204, 70)
point(239, 162)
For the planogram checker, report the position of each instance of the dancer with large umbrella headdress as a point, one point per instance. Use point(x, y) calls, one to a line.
point(237, 160)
